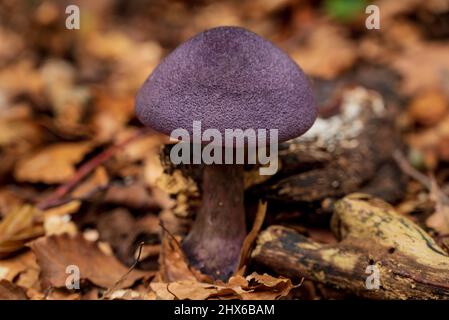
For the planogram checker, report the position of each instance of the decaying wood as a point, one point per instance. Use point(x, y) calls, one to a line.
point(340, 154)
point(410, 264)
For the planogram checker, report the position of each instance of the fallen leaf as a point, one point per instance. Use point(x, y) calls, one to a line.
point(18, 227)
point(8, 201)
point(173, 263)
point(423, 67)
point(191, 290)
point(58, 224)
point(314, 57)
point(55, 253)
point(10, 291)
point(67, 99)
point(429, 107)
point(62, 210)
point(52, 164)
point(439, 220)
point(253, 287)
point(14, 131)
point(98, 180)
point(111, 113)
point(16, 265)
point(252, 235)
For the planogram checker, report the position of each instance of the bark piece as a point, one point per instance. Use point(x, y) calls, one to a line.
point(339, 154)
point(410, 264)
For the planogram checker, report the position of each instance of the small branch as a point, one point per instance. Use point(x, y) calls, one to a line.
point(57, 196)
point(406, 167)
point(134, 265)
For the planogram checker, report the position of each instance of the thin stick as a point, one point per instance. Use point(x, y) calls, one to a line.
point(405, 166)
point(56, 197)
point(122, 278)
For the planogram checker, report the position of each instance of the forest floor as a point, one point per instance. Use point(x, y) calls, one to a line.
point(83, 187)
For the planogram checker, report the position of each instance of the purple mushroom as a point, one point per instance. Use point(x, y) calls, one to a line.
point(227, 78)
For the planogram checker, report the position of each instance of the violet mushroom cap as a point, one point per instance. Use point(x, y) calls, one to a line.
point(227, 78)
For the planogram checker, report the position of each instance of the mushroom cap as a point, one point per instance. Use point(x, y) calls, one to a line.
point(227, 78)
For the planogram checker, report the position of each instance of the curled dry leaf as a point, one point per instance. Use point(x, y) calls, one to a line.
point(429, 107)
point(98, 180)
point(52, 164)
point(432, 142)
point(439, 220)
point(55, 253)
point(423, 67)
point(191, 290)
point(315, 59)
point(19, 131)
point(15, 266)
point(10, 291)
point(111, 114)
point(21, 77)
point(8, 201)
point(253, 287)
point(67, 99)
point(58, 220)
point(173, 262)
point(18, 227)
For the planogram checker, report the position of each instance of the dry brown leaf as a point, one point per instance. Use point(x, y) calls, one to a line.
point(62, 210)
point(147, 145)
point(429, 107)
point(111, 115)
point(67, 99)
point(252, 235)
point(173, 263)
point(52, 164)
point(266, 287)
point(19, 131)
point(10, 291)
point(8, 201)
point(56, 224)
point(55, 253)
point(191, 290)
point(20, 77)
point(62, 294)
point(423, 67)
point(314, 57)
point(14, 266)
point(18, 227)
point(127, 294)
point(439, 220)
point(253, 287)
point(98, 180)
point(432, 143)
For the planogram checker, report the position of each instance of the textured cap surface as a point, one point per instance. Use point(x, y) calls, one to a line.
point(227, 78)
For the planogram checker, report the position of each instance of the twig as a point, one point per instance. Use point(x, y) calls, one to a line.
point(122, 278)
point(161, 224)
point(405, 166)
point(56, 197)
point(174, 295)
point(251, 237)
point(427, 181)
point(181, 251)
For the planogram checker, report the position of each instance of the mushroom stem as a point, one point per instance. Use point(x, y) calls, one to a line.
point(215, 240)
